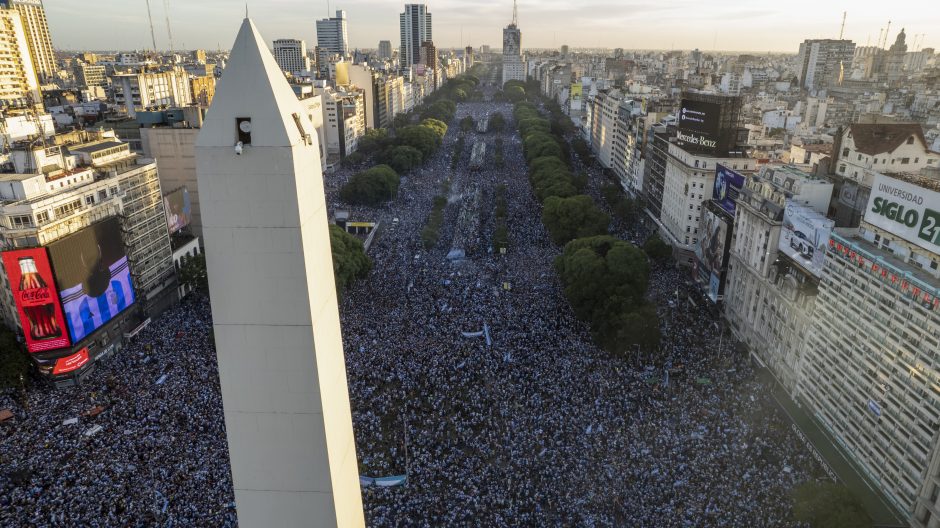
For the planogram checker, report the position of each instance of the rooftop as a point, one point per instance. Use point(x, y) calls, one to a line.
point(873, 139)
point(90, 148)
point(927, 182)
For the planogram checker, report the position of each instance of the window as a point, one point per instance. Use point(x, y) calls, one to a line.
point(102, 194)
point(845, 153)
point(842, 168)
point(21, 221)
point(90, 199)
point(113, 191)
point(859, 157)
point(910, 140)
point(905, 161)
point(916, 160)
point(42, 217)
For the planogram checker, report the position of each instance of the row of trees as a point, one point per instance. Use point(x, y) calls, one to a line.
point(350, 261)
point(605, 278)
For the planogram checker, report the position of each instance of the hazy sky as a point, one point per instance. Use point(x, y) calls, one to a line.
point(759, 25)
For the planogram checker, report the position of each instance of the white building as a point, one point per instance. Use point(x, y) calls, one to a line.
point(331, 40)
point(291, 56)
point(143, 91)
point(514, 66)
point(19, 79)
point(887, 148)
point(287, 414)
point(36, 29)
point(415, 27)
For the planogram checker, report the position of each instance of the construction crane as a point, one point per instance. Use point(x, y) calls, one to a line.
point(153, 38)
point(842, 31)
point(169, 33)
point(884, 44)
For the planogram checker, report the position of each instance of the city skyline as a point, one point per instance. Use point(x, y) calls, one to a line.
point(725, 27)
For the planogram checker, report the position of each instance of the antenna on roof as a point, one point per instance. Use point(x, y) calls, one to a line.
point(842, 31)
point(515, 13)
point(153, 39)
point(169, 33)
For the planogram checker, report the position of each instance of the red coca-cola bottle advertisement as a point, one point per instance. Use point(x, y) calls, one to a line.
point(37, 300)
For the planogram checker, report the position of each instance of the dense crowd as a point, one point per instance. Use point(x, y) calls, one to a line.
point(541, 427)
point(154, 455)
point(528, 424)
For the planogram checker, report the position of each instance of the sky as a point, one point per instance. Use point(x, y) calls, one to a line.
point(723, 25)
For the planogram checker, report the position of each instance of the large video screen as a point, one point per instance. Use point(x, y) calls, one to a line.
point(178, 209)
point(699, 124)
point(37, 301)
point(93, 276)
point(804, 237)
point(728, 184)
point(711, 249)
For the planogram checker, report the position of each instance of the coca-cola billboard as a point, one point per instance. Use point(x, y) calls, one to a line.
point(37, 300)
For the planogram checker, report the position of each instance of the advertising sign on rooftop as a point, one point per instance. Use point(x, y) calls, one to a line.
point(37, 300)
point(698, 125)
point(728, 184)
point(93, 276)
point(804, 237)
point(906, 210)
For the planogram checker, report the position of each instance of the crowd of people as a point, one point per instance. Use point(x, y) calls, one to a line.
point(469, 376)
point(539, 427)
point(141, 443)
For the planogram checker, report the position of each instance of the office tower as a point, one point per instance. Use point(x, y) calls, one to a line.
point(36, 28)
point(824, 62)
point(331, 40)
point(513, 65)
point(385, 49)
point(264, 216)
point(415, 24)
point(19, 82)
point(291, 55)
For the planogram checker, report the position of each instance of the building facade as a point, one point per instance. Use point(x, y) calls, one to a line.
point(291, 55)
point(19, 80)
point(39, 40)
point(143, 91)
point(824, 62)
point(331, 40)
point(415, 28)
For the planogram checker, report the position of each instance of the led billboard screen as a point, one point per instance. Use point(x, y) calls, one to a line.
point(37, 301)
point(93, 276)
point(804, 237)
point(71, 363)
point(728, 185)
point(699, 125)
point(909, 211)
point(711, 250)
point(178, 209)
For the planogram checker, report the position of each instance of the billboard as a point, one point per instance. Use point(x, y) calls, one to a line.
point(178, 209)
point(906, 210)
point(711, 250)
point(71, 363)
point(93, 276)
point(699, 124)
point(37, 300)
point(804, 237)
point(728, 184)
point(577, 90)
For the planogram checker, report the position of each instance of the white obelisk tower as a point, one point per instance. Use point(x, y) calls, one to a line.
point(274, 307)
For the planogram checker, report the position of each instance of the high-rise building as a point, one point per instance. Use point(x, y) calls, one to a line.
point(89, 74)
point(274, 287)
point(415, 25)
point(198, 56)
point(19, 82)
point(38, 38)
point(825, 62)
point(331, 40)
point(385, 49)
point(291, 55)
point(871, 370)
point(514, 68)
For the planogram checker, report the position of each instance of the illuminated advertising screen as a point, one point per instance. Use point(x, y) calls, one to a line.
point(906, 210)
point(178, 209)
point(699, 125)
point(37, 300)
point(728, 185)
point(71, 363)
point(576, 92)
point(712, 249)
point(804, 237)
point(93, 276)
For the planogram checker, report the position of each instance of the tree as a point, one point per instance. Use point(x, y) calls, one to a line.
point(656, 249)
point(573, 217)
point(467, 124)
point(439, 127)
point(374, 140)
point(193, 273)
point(371, 187)
point(350, 261)
point(423, 138)
point(829, 505)
point(442, 110)
point(14, 362)
point(605, 281)
point(497, 122)
point(354, 159)
point(402, 158)
point(514, 93)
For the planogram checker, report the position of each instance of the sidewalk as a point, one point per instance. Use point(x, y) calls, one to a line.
point(878, 507)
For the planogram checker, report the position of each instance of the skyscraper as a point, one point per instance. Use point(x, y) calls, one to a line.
point(291, 55)
point(19, 83)
point(36, 29)
point(415, 25)
point(287, 412)
point(385, 49)
point(331, 40)
point(825, 62)
point(513, 65)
